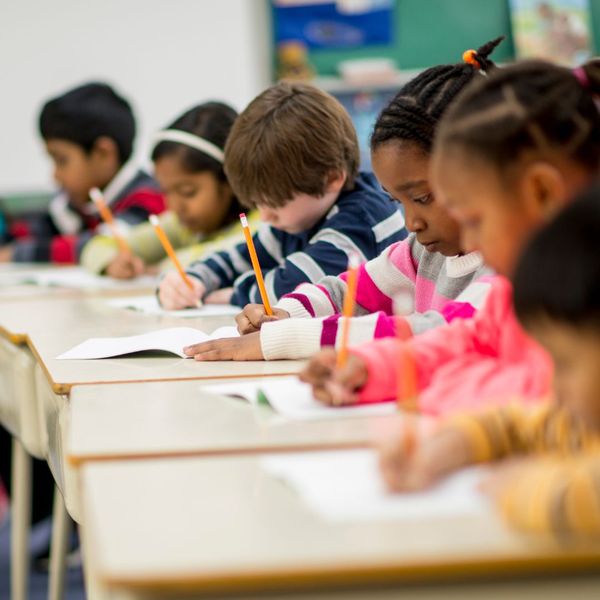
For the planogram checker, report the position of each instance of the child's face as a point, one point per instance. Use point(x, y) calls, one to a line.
point(199, 200)
point(576, 355)
point(77, 171)
point(403, 171)
point(302, 212)
point(497, 217)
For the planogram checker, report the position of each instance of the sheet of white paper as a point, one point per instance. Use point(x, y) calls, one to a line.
point(171, 340)
point(79, 278)
point(149, 305)
point(347, 486)
point(293, 399)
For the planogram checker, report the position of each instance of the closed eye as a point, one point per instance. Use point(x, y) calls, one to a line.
point(425, 199)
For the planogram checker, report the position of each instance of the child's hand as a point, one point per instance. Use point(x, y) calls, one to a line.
point(125, 266)
point(331, 386)
point(254, 315)
point(6, 254)
point(502, 475)
point(409, 466)
point(174, 294)
point(242, 348)
point(222, 296)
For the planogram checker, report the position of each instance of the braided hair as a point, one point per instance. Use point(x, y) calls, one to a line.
point(533, 105)
point(414, 113)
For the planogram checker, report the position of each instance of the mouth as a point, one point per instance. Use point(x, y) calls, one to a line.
point(430, 246)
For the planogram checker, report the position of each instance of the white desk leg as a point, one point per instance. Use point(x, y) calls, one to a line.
point(20, 520)
point(61, 528)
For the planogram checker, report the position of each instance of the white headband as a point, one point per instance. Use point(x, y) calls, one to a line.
point(191, 140)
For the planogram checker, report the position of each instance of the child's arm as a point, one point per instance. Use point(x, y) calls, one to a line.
point(467, 439)
point(102, 250)
point(550, 494)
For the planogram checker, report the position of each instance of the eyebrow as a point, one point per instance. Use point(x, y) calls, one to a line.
point(410, 185)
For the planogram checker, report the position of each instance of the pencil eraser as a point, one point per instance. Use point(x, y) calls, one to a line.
point(95, 195)
point(153, 220)
point(243, 219)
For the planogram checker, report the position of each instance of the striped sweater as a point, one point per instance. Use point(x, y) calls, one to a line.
point(363, 220)
point(60, 234)
point(442, 288)
point(559, 491)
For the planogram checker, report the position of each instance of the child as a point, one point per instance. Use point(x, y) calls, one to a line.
point(511, 152)
point(203, 211)
point(429, 264)
point(293, 154)
point(89, 134)
point(558, 490)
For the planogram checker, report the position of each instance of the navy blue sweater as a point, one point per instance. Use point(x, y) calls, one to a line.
point(363, 220)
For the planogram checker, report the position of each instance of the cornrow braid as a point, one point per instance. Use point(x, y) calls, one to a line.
point(415, 111)
point(533, 105)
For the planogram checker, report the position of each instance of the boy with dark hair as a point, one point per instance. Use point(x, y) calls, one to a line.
point(293, 154)
point(88, 133)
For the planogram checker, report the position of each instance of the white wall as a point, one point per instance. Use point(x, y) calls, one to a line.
point(163, 55)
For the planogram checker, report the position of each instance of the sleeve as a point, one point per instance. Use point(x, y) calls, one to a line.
point(325, 254)
point(301, 338)
point(557, 495)
point(513, 429)
point(98, 253)
point(377, 280)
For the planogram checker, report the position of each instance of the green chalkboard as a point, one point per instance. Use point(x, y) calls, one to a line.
point(429, 32)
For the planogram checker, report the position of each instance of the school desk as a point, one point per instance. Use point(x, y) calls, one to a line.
point(46, 327)
point(178, 419)
point(163, 528)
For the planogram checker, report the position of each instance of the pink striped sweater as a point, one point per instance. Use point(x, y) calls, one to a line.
point(466, 364)
point(443, 289)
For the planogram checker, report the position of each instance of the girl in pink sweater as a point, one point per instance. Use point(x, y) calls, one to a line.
point(510, 153)
point(430, 265)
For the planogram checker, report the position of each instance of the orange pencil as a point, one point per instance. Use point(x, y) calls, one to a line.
point(107, 217)
point(348, 308)
point(256, 265)
point(407, 369)
point(166, 244)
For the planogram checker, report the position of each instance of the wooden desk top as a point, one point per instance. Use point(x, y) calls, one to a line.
point(50, 327)
point(223, 525)
point(177, 418)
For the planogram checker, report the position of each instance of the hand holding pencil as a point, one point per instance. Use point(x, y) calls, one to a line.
point(177, 290)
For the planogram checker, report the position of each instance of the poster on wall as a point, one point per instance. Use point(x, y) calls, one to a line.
point(557, 30)
point(339, 24)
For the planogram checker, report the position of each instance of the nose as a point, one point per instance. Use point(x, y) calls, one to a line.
point(414, 223)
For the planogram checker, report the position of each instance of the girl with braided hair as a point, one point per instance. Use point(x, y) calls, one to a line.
point(511, 152)
point(443, 281)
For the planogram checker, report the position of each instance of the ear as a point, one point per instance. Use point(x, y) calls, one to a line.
point(335, 182)
point(105, 148)
point(544, 189)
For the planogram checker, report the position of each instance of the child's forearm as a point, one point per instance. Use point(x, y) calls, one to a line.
point(554, 495)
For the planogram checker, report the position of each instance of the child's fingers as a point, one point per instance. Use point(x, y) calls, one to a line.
point(319, 367)
point(244, 320)
point(138, 266)
point(174, 294)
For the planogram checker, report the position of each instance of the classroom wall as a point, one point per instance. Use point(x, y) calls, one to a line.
point(164, 55)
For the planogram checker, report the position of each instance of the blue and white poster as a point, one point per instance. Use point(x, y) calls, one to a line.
point(341, 24)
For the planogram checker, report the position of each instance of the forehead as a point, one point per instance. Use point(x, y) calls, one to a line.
point(400, 162)
point(58, 146)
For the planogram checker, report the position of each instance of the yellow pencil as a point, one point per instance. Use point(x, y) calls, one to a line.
point(407, 369)
point(166, 244)
point(348, 308)
point(256, 265)
point(107, 217)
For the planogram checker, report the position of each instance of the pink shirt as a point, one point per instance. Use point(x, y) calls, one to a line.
point(466, 364)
